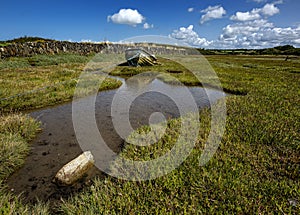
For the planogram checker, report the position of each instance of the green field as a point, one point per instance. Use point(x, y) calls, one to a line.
point(42, 80)
point(255, 170)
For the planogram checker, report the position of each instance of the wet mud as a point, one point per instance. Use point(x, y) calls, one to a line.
point(56, 144)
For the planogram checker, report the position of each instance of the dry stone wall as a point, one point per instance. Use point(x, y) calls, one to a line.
point(33, 48)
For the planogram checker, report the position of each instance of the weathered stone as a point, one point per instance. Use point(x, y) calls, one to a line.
point(32, 48)
point(75, 169)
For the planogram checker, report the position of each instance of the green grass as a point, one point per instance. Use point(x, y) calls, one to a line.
point(43, 60)
point(255, 170)
point(51, 81)
point(3, 44)
point(16, 130)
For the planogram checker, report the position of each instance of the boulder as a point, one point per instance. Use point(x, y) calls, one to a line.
point(75, 169)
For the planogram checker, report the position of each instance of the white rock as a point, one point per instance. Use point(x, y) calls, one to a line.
point(75, 169)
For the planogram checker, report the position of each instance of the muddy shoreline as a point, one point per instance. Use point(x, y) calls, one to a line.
point(52, 148)
point(56, 144)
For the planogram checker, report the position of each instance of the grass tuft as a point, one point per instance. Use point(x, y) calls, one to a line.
point(15, 132)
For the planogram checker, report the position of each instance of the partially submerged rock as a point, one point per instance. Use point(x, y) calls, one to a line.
point(75, 169)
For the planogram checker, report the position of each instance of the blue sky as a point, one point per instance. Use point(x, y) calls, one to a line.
point(201, 23)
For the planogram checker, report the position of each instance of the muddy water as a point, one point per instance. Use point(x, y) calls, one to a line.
point(56, 145)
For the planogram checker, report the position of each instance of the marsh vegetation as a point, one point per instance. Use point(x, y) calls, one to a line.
point(255, 170)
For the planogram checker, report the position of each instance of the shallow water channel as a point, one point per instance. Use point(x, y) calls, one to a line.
point(56, 145)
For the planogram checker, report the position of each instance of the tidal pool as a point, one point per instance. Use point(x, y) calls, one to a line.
point(56, 145)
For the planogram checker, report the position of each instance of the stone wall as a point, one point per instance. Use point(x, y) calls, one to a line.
point(33, 48)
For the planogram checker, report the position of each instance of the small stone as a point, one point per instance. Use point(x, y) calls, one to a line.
point(293, 202)
point(45, 153)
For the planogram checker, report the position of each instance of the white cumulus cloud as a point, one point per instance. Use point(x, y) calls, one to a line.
point(246, 16)
point(249, 29)
point(189, 36)
point(257, 34)
point(212, 12)
point(259, 1)
point(249, 34)
point(269, 10)
point(126, 16)
point(148, 26)
point(256, 13)
point(244, 28)
point(191, 9)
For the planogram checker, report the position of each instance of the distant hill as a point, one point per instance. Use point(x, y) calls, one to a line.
point(281, 50)
point(278, 50)
point(26, 39)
